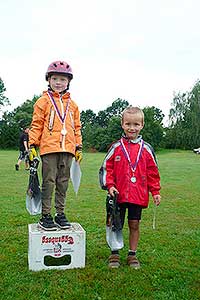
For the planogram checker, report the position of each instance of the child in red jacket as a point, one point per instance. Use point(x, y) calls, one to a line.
point(130, 170)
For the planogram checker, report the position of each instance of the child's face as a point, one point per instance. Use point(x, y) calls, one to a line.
point(58, 83)
point(132, 124)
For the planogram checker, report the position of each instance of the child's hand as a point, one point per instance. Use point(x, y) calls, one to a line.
point(78, 155)
point(32, 153)
point(113, 190)
point(156, 199)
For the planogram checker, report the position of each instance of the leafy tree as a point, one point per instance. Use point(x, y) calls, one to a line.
point(3, 100)
point(12, 123)
point(192, 117)
point(179, 106)
point(89, 136)
point(101, 130)
point(184, 129)
point(114, 110)
point(104, 137)
point(153, 129)
point(23, 113)
point(114, 129)
point(88, 117)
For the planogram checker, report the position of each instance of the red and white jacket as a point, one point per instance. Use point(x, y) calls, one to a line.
point(116, 171)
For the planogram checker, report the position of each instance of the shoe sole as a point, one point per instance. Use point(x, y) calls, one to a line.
point(63, 227)
point(134, 267)
point(114, 266)
point(47, 229)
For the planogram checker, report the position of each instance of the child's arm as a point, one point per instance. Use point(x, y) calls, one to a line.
point(37, 125)
point(106, 172)
point(78, 136)
point(77, 128)
point(153, 178)
point(25, 145)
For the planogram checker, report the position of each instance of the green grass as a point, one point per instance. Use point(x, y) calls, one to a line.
point(169, 255)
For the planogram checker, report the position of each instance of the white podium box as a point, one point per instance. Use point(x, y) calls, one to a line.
point(59, 249)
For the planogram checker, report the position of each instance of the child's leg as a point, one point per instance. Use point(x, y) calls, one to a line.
point(133, 234)
point(134, 216)
point(19, 161)
point(26, 161)
point(62, 180)
point(49, 170)
point(133, 242)
point(63, 175)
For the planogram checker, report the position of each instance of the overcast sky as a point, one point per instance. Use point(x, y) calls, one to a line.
point(138, 50)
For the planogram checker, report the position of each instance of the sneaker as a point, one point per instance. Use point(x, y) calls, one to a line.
point(61, 221)
point(17, 167)
point(47, 223)
point(133, 262)
point(113, 261)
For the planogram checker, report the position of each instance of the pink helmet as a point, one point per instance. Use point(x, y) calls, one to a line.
point(59, 67)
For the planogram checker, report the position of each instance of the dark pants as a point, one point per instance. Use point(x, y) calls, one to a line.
point(55, 175)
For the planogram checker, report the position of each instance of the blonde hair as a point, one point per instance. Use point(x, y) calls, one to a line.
point(133, 110)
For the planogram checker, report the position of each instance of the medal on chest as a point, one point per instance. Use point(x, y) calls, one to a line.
point(60, 114)
point(133, 179)
point(64, 131)
point(132, 165)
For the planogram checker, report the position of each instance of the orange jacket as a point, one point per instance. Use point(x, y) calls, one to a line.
point(46, 126)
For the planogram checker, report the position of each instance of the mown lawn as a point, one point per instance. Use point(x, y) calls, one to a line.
point(169, 255)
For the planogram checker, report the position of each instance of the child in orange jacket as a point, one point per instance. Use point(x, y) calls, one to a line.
point(56, 131)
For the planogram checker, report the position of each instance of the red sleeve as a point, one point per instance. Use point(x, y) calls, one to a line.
point(153, 176)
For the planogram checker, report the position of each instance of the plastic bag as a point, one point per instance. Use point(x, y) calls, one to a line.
point(75, 175)
point(33, 204)
point(114, 238)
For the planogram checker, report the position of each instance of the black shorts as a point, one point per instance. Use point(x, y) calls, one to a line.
point(134, 211)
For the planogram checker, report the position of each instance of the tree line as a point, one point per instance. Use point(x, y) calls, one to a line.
point(101, 129)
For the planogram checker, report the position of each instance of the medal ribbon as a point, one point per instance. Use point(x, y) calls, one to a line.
point(126, 154)
point(60, 117)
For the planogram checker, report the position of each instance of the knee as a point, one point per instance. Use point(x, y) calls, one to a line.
point(133, 225)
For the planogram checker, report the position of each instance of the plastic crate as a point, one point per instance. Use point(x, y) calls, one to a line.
point(59, 249)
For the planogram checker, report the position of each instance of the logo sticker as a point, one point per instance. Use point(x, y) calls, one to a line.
point(118, 158)
point(61, 239)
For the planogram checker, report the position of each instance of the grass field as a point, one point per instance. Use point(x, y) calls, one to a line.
point(169, 255)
